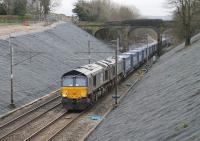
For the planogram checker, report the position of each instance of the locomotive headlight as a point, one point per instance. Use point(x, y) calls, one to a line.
point(63, 92)
point(84, 92)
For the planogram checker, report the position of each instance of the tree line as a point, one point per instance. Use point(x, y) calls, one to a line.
point(24, 7)
point(103, 10)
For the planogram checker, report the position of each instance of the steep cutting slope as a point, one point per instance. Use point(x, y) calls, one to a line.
point(41, 58)
point(165, 106)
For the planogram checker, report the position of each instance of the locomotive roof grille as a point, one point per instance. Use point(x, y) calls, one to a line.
point(90, 69)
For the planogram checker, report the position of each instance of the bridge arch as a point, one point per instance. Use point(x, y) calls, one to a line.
point(155, 30)
point(108, 33)
point(139, 34)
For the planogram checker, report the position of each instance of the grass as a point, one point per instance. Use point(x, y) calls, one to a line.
point(10, 22)
point(5, 24)
point(181, 126)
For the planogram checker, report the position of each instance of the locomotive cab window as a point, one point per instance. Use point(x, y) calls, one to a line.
point(94, 80)
point(67, 81)
point(75, 81)
point(80, 82)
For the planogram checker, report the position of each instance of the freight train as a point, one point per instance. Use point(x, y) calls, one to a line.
point(84, 85)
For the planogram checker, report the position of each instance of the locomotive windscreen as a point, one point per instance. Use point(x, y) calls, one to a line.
point(75, 81)
point(68, 81)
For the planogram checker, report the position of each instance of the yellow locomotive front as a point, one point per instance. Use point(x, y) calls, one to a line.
point(74, 91)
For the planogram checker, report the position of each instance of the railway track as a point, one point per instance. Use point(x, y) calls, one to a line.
point(18, 122)
point(48, 121)
point(53, 128)
point(45, 129)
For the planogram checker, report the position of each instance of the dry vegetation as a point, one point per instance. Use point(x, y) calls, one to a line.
point(103, 10)
point(28, 8)
point(186, 16)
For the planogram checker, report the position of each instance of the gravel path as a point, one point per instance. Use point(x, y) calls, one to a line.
point(8, 29)
point(165, 106)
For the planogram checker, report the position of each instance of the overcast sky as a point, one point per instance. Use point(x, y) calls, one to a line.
point(145, 7)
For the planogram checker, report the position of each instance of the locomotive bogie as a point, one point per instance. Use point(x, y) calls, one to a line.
point(75, 104)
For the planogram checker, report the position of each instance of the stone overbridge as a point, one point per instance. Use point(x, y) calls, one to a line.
point(123, 29)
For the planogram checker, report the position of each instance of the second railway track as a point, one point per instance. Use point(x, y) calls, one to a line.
point(42, 122)
point(10, 128)
point(56, 126)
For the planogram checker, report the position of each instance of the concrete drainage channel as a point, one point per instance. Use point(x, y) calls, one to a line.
point(45, 119)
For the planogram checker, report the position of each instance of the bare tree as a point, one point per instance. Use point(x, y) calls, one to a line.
point(185, 11)
point(9, 6)
point(48, 5)
point(125, 13)
point(45, 7)
point(54, 4)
